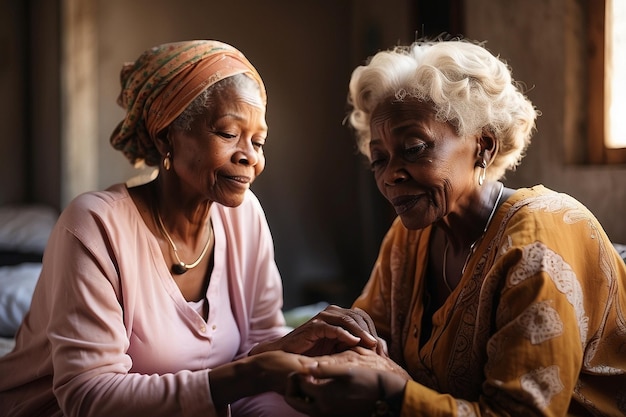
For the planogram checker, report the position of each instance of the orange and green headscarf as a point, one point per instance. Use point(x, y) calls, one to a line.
point(159, 86)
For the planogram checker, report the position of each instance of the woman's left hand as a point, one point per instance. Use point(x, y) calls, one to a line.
point(334, 329)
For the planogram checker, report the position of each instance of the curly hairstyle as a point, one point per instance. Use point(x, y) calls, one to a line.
point(468, 87)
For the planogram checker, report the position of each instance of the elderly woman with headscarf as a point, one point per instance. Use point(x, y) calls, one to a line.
point(148, 293)
point(497, 302)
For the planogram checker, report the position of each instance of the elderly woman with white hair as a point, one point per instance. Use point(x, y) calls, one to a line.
point(494, 301)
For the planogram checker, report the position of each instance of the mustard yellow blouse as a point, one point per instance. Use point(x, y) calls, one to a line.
point(536, 327)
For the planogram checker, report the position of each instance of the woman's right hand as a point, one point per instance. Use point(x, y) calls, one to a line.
point(272, 369)
point(339, 389)
point(267, 371)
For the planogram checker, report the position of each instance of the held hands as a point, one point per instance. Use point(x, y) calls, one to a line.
point(334, 329)
point(344, 369)
point(272, 369)
point(267, 371)
point(347, 384)
point(359, 357)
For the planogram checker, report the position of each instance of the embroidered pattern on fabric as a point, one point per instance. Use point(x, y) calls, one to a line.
point(586, 402)
point(473, 337)
point(574, 212)
point(463, 366)
point(593, 346)
point(474, 341)
point(466, 362)
point(538, 257)
point(473, 334)
point(540, 322)
point(400, 289)
point(542, 384)
point(555, 202)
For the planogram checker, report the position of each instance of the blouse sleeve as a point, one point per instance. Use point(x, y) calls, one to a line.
point(88, 338)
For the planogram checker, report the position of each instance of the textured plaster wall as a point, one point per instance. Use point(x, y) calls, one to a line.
point(543, 42)
point(315, 190)
point(326, 217)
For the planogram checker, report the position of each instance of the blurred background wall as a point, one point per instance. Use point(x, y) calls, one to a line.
point(59, 76)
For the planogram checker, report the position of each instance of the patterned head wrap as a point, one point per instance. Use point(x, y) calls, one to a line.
point(160, 85)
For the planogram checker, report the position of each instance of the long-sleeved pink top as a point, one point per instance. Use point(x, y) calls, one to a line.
point(109, 332)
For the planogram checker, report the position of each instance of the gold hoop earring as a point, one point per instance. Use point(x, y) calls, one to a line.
point(483, 174)
point(167, 162)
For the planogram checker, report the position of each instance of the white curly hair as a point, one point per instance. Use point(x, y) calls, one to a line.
point(467, 85)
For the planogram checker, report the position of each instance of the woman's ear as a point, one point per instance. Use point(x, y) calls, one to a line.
point(488, 146)
point(163, 142)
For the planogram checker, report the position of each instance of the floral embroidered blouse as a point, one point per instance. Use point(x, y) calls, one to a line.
point(536, 327)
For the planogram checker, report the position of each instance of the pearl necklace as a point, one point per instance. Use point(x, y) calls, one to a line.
point(180, 267)
point(472, 246)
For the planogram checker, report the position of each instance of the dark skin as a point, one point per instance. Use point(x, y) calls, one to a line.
point(345, 384)
point(216, 161)
point(430, 176)
point(335, 329)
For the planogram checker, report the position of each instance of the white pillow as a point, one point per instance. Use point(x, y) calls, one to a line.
point(17, 284)
point(26, 228)
point(621, 249)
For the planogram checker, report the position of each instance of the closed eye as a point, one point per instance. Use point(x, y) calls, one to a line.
point(414, 151)
point(376, 162)
point(225, 135)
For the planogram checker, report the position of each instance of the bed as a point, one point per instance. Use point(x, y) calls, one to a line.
point(24, 232)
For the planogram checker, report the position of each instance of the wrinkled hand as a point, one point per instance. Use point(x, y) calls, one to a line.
point(360, 357)
point(252, 375)
point(274, 367)
point(345, 385)
point(332, 330)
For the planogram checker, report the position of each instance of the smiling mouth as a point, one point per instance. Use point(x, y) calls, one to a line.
point(239, 179)
point(405, 203)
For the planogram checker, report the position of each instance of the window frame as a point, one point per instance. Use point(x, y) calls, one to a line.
point(598, 153)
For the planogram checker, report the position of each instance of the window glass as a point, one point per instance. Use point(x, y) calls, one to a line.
point(615, 73)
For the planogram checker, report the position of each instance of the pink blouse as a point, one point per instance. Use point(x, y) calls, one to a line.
point(109, 332)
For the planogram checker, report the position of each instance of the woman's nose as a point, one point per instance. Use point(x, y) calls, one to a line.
point(246, 154)
point(395, 173)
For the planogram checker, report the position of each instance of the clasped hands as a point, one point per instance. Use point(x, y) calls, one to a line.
point(341, 366)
